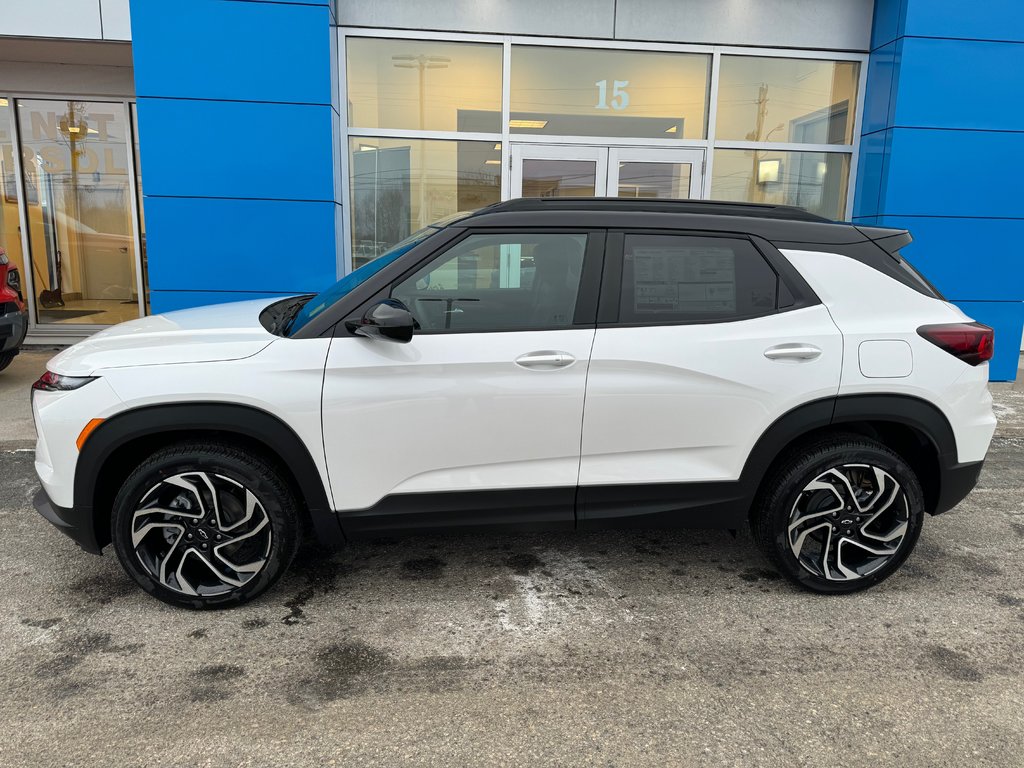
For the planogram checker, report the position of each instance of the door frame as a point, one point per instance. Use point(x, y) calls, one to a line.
point(694, 157)
point(606, 158)
point(581, 152)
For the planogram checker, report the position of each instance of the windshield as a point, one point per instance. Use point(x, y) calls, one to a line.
point(326, 298)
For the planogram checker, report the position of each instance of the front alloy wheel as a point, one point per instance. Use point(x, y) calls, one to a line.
point(205, 525)
point(840, 515)
point(201, 533)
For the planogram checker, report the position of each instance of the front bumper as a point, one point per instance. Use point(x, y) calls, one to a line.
point(955, 482)
point(13, 327)
point(76, 522)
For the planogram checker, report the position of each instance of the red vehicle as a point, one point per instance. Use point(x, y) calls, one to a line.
point(13, 315)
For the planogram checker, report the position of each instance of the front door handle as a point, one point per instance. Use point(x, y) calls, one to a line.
point(793, 352)
point(545, 360)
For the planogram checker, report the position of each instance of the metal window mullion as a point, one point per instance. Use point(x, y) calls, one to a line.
point(709, 155)
point(345, 257)
point(785, 146)
point(133, 193)
point(606, 141)
point(506, 112)
point(30, 290)
point(412, 133)
point(851, 182)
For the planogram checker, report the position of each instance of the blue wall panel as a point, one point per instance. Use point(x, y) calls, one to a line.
point(169, 301)
point(978, 88)
point(240, 245)
point(237, 149)
point(879, 94)
point(887, 22)
point(940, 143)
point(962, 257)
point(237, 105)
point(984, 20)
point(954, 173)
point(868, 200)
point(230, 56)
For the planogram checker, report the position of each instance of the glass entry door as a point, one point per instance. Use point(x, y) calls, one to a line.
point(569, 170)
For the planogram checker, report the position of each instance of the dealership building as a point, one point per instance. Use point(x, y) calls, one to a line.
point(162, 155)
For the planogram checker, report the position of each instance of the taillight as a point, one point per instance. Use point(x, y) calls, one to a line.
point(971, 342)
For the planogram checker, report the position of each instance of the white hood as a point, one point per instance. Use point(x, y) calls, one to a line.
point(201, 335)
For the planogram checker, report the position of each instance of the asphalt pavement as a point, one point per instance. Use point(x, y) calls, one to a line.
point(618, 649)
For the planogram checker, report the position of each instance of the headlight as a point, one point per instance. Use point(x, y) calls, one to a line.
point(54, 382)
point(14, 281)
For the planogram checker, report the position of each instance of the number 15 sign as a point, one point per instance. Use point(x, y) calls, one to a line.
point(620, 97)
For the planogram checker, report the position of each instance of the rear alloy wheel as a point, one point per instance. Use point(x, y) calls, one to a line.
point(205, 525)
point(840, 516)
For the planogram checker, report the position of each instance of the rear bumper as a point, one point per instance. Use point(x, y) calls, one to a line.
point(13, 327)
point(76, 522)
point(956, 482)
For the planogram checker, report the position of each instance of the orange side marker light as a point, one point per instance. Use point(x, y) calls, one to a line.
point(86, 431)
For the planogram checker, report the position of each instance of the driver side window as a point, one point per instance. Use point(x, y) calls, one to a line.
point(498, 282)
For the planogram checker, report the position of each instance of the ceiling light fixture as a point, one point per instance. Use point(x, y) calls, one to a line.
point(527, 123)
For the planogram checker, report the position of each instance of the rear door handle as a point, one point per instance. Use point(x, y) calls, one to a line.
point(793, 352)
point(545, 360)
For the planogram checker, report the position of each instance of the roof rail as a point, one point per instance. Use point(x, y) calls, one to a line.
point(703, 207)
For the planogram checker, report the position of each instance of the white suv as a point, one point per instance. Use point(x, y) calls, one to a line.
point(544, 364)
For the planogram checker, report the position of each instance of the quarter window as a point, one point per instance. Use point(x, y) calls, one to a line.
point(498, 283)
point(678, 279)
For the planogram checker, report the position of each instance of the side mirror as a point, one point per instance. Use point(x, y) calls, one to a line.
point(388, 319)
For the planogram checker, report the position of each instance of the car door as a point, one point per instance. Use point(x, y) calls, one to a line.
point(700, 346)
point(477, 420)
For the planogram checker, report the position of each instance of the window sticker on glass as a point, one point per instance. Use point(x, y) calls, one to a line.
point(681, 279)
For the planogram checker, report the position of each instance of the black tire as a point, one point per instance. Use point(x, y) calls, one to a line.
point(6, 358)
point(230, 475)
point(810, 562)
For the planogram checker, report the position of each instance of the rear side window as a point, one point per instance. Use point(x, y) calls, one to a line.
point(682, 278)
point(915, 279)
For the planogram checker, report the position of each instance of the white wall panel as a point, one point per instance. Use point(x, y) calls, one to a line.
point(832, 24)
point(576, 18)
point(50, 18)
point(116, 20)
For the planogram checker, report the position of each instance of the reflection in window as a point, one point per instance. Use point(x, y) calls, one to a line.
point(424, 84)
point(786, 100)
point(77, 194)
point(589, 92)
point(679, 278)
point(10, 226)
point(501, 282)
point(400, 185)
point(816, 181)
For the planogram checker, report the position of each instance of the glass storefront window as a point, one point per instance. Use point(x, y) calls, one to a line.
point(786, 100)
point(590, 92)
point(424, 84)
point(400, 185)
point(817, 181)
point(77, 194)
point(10, 225)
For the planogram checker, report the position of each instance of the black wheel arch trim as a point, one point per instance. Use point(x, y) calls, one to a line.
point(907, 410)
point(231, 418)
